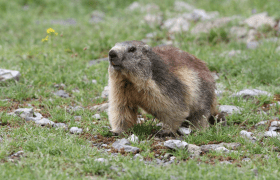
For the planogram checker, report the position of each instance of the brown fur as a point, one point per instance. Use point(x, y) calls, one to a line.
point(165, 81)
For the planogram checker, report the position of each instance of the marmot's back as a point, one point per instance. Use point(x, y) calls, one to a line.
point(175, 59)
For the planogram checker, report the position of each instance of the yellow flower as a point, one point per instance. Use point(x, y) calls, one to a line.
point(50, 30)
point(45, 39)
point(56, 34)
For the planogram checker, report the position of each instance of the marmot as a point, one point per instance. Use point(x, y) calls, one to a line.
point(165, 81)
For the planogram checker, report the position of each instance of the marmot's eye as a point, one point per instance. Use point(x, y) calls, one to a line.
point(132, 49)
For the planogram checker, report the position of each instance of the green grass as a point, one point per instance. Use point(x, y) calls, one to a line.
point(51, 153)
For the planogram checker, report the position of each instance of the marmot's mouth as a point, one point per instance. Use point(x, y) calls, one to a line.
point(117, 67)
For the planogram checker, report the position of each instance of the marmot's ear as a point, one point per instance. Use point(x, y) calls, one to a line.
point(146, 48)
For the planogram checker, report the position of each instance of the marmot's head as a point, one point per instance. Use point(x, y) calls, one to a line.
point(131, 57)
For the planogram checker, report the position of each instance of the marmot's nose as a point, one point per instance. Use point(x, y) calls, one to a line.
point(113, 55)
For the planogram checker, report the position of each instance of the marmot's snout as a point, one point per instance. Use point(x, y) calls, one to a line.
point(114, 58)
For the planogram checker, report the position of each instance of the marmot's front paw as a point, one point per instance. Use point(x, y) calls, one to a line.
point(116, 133)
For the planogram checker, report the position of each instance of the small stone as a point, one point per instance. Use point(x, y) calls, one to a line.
point(239, 32)
point(138, 156)
point(273, 128)
point(183, 6)
point(115, 168)
point(93, 81)
point(176, 25)
point(200, 14)
point(77, 118)
point(246, 159)
point(44, 122)
point(76, 130)
point(225, 162)
point(121, 144)
point(230, 109)
point(96, 116)
point(17, 154)
point(24, 113)
point(96, 17)
point(140, 120)
point(60, 125)
point(6, 74)
point(105, 92)
point(261, 123)
point(248, 135)
point(133, 138)
point(102, 160)
point(153, 19)
point(76, 108)
point(167, 155)
point(245, 93)
point(135, 5)
point(158, 161)
point(208, 147)
point(61, 93)
point(96, 61)
point(252, 45)
point(184, 131)
point(277, 49)
point(230, 145)
point(101, 107)
point(194, 149)
point(271, 134)
point(275, 124)
point(151, 35)
point(104, 145)
point(222, 149)
point(175, 144)
point(259, 20)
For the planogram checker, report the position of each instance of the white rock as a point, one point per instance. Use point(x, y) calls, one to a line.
point(76, 130)
point(138, 156)
point(258, 20)
point(200, 14)
point(133, 138)
point(97, 16)
point(24, 113)
point(60, 125)
point(207, 26)
point(175, 144)
point(239, 32)
point(230, 109)
point(44, 122)
point(6, 74)
point(194, 149)
point(222, 149)
point(252, 45)
point(251, 36)
point(102, 160)
point(277, 49)
point(275, 124)
point(153, 19)
point(251, 93)
point(135, 5)
point(176, 25)
point(140, 120)
point(275, 104)
point(101, 107)
point(261, 123)
point(271, 134)
point(182, 6)
point(105, 92)
point(247, 134)
point(93, 81)
point(184, 131)
point(96, 116)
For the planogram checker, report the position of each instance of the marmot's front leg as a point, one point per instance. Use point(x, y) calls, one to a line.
point(122, 117)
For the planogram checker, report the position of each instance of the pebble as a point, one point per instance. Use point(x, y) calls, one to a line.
point(133, 138)
point(230, 109)
point(258, 20)
point(176, 25)
point(252, 45)
point(105, 92)
point(124, 144)
point(61, 93)
point(60, 125)
point(6, 74)
point(194, 149)
point(275, 124)
point(184, 131)
point(76, 130)
point(77, 118)
point(93, 81)
point(44, 122)
point(250, 93)
point(138, 156)
point(175, 144)
point(102, 160)
point(271, 134)
point(96, 116)
point(101, 107)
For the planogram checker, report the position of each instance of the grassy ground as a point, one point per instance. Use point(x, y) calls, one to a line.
point(55, 154)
